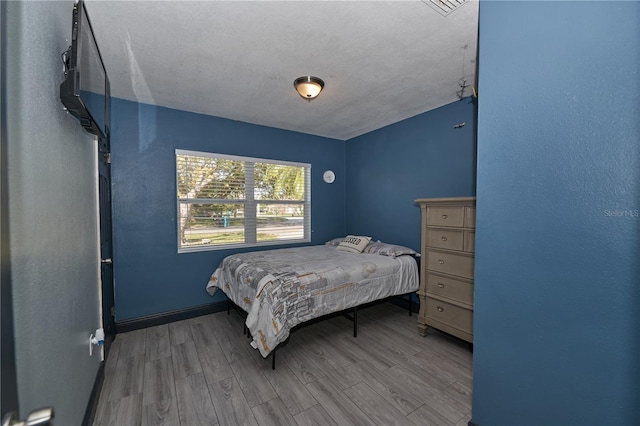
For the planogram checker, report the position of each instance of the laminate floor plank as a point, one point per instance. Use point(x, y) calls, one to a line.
point(415, 381)
point(411, 345)
point(390, 388)
point(273, 413)
point(214, 364)
point(128, 377)
point(396, 319)
point(405, 327)
point(387, 337)
point(185, 360)
point(159, 382)
point(125, 411)
point(203, 332)
point(337, 326)
point(314, 416)
point(234, 344)
point(341, 409)
point(194, 401)
point(444, 405)
point(325, 366)
point(255, 386)
point(204, 371)
point(430, 373)
point(114, 353)
point(451, 347)
point(230, 404)
point(369, 350)
point(180, 332)
point(461, 393)
point(425, 416)
point(443, 352)
point(304, 370)
point(417, 378)
point(109, 374)
point(157, 342)
point(324, 347)
point(295, 396)
point(465, 420)
point(437, 364)
point(132, 343)
point(379, 410)
point(161, 413)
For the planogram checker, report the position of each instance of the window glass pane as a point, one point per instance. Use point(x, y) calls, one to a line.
point(211, 224)
point(226, 200)
point(280, 221)
point(207, 177)
point(279, 182)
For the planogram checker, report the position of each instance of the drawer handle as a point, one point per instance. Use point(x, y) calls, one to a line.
point(440, 285)
point(443, 238)
point(444, 216)
point(441, 261)
point(440, 309)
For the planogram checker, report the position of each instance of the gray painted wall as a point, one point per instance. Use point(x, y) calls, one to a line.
point(53, 218)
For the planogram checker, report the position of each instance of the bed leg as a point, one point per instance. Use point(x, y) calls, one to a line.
point(228, 307)
point(355, 322)
point(410, 302)
point(273, 359)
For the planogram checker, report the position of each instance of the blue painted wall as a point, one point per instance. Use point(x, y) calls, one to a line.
point(150, 276)
point(557, 286)
point(421, 157)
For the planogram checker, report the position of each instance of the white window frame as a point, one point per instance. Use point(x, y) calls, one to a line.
point(250, 227)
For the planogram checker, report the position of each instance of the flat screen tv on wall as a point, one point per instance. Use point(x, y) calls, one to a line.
point(85, 91)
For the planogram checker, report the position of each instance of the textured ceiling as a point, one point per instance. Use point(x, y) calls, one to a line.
point(381, 62)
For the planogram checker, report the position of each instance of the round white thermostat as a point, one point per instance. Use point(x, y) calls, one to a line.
point(329, 176)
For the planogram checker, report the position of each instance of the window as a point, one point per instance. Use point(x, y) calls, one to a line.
point(228, 201)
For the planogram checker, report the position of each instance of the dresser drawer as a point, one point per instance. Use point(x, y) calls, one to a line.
point(451, 315)
point(445, 216)
point(469, 241)
point(445, 238)
point(450, 263)
point(469, 217)
point(450, 288)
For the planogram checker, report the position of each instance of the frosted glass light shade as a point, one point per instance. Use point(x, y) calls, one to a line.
point(308, 87)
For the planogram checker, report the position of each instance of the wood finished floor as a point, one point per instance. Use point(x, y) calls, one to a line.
point(202, 371)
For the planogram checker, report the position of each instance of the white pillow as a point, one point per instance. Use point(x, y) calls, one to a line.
point(385, 249)
point(354, 243)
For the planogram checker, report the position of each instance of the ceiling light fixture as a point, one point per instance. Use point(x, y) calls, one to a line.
point(308, 87)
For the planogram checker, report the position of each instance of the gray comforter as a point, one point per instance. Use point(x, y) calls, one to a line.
point(282, 288)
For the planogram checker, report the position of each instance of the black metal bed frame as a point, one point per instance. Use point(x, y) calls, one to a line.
point(345, 313)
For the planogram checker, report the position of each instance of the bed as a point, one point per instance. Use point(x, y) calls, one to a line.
point(279, 289)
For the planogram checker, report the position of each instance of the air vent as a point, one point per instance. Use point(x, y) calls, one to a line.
point(445, 7)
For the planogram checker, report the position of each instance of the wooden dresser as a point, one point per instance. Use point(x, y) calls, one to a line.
point(446, 269)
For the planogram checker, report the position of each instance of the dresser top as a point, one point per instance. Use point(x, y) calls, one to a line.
point(445, 201)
